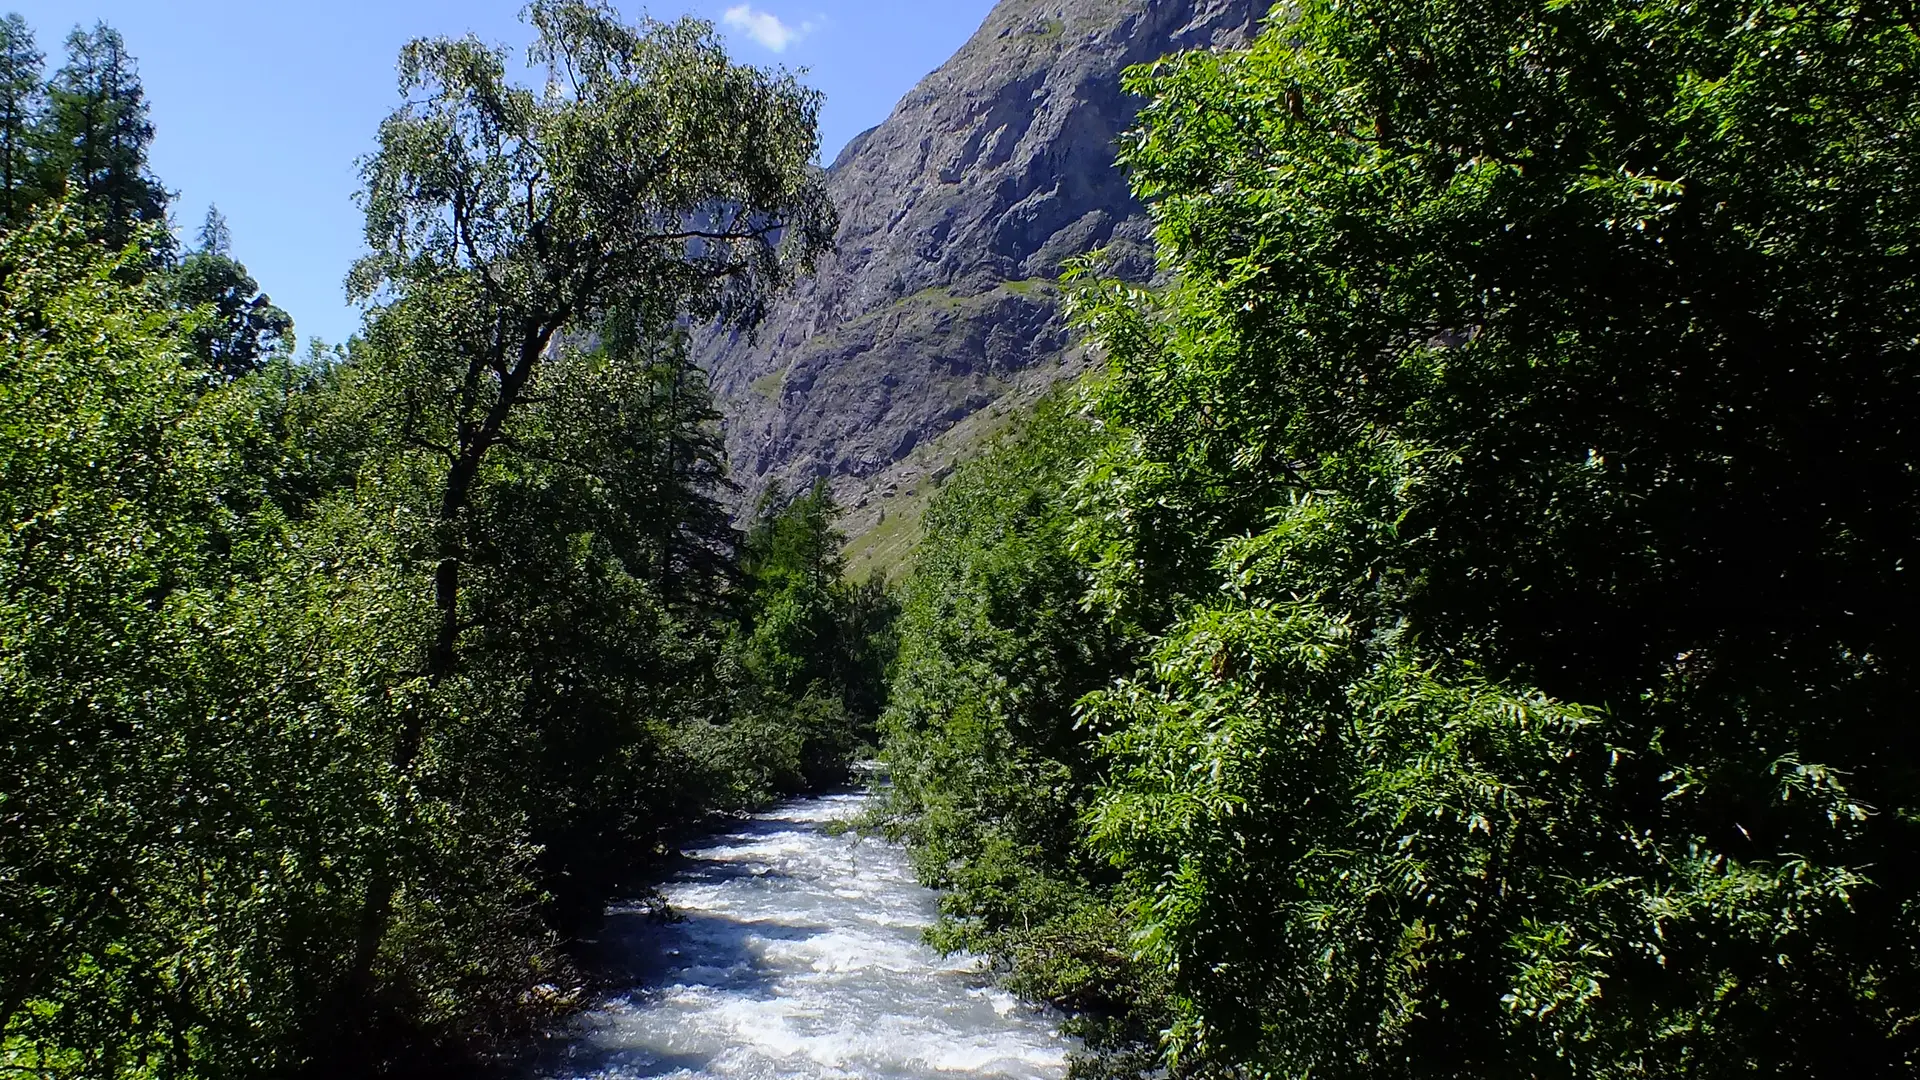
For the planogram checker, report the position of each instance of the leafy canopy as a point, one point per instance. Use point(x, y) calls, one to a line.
point(1523, 466)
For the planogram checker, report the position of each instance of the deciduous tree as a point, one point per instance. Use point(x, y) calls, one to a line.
point(1527, 445)
point(650, 175)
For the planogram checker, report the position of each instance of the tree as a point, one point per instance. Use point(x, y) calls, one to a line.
point(181, 786)
point(813, 648)
point(237, 325)
point(1526, 441)
point(692, 550)
point(992, 770)
point(100, 132)
point(650, 175)
point(215, 237)
point(792, 563)
point(22, 107)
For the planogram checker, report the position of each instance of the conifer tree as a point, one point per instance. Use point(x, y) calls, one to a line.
point(239, 326)
point(22, 108)
point(101, 131)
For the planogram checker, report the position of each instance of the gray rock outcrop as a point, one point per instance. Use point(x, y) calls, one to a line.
point(957, 214)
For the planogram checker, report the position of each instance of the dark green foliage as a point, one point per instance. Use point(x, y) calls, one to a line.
point(691, 555)
point(1516, 501)
point(81, 137)
point(180, 786)
point(81, 141)
point(23, 95)
point(97, 134)
point(991, 769)
point(1524, 354)
point(236, 327)
point(791, 558)
point(811, 645)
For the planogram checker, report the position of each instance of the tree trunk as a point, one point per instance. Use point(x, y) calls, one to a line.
point(669, 431)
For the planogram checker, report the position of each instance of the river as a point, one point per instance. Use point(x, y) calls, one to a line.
point(798, 953)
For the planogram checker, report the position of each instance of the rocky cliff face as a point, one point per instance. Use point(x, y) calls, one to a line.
point(957, 214)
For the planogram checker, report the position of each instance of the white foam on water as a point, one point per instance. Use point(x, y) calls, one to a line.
point(1003, 1003)
point(799, 954)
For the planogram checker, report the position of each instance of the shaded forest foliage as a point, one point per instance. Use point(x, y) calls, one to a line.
point(1473, 636)
point(339, 693)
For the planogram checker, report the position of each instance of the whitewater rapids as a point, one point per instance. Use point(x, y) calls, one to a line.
point(798, 953)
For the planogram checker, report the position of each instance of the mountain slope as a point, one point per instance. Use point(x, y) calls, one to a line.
point(957, 214)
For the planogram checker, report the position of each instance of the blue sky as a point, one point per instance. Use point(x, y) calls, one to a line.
point(262, 107)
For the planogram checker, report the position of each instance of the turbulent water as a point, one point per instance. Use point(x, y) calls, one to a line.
point(798, 954)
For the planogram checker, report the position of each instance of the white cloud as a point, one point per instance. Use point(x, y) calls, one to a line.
point(765, 27)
